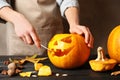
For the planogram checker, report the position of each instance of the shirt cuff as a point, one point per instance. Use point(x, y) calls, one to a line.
point(3, 3)
point(66, 4)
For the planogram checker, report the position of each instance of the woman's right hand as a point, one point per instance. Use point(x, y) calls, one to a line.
point(26, 32)
point(23, 28)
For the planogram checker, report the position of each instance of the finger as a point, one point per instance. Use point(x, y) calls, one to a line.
point(85, 31)
point(29, 39)
point(23, 39)
point(35, 39)
point(82, 31)
point(91, 39)
point(90, 44)
point(87, 35)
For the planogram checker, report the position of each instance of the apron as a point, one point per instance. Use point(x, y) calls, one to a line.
point(44, 15)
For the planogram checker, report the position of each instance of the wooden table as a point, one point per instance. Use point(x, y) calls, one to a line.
point(82, 73)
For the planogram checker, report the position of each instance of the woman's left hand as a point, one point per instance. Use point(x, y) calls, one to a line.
point(83, 30)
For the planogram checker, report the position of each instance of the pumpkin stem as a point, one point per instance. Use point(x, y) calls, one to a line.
point(100, 54)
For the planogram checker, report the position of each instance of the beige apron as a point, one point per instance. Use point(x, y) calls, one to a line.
point(44, 16)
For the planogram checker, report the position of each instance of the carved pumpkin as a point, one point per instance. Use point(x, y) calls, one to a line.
point(113, 44)
point(68, 51)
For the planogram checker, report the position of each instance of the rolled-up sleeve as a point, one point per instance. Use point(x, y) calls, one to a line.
point(64, 4)
point(3, 3)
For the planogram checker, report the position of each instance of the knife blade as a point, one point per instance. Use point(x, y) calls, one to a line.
point(44, 46)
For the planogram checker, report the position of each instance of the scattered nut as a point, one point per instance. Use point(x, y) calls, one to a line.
point(11, 69)
point(11, 72)
point(6, 62)
point(4, 72)
point(12, 65)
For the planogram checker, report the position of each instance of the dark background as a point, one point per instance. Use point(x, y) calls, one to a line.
point(101, 16)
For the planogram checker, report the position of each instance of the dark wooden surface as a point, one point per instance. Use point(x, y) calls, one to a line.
point(82, 73)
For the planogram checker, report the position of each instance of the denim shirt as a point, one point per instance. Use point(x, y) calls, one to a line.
point(63, 4)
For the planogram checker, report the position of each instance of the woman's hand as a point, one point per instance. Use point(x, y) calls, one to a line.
point(23, 28)
point(83, 30)
point(26, 32)
point(72, 15)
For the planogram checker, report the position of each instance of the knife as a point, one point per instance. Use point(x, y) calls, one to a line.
point(44, 46)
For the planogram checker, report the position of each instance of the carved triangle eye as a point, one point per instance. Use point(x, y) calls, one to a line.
point(67, 39)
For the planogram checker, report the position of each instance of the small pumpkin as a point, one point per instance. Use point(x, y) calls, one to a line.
point(68, 51)
point(102, 63)
point(113, 44)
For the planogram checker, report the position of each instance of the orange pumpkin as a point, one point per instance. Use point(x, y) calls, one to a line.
point(68, 51)
point(113, 44)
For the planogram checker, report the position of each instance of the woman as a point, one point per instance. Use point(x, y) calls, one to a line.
point(36, 21)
